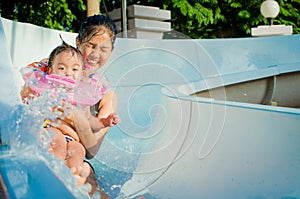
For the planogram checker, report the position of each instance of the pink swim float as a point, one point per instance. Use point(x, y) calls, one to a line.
point(87, 91)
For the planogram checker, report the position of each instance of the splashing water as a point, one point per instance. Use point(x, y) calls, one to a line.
point(52, 91)
point(29, 139)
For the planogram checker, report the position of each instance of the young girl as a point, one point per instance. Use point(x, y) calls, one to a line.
point(95, 41)
point(67, 61)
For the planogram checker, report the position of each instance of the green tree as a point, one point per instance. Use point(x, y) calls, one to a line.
point(194, 18)
point(226, 18)
point(54, 14)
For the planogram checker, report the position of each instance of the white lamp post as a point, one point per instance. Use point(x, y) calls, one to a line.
point(270, 9)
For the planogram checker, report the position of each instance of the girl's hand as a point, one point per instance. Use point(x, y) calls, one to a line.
point(112, 120)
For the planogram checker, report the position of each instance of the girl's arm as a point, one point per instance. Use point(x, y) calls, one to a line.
point(27, 93)
point(108, 105)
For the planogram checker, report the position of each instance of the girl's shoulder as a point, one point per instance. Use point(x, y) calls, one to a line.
point(41, 65)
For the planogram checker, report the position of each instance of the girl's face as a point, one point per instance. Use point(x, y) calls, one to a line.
point(67, 64)
point(96, 51)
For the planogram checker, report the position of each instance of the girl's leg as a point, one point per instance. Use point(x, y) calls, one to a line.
point(75, 154)
point(58, 145)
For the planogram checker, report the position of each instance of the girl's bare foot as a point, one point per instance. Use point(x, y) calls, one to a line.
point(81, 173)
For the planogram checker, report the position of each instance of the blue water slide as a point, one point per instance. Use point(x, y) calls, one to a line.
point(189, 130)
point(179, 145)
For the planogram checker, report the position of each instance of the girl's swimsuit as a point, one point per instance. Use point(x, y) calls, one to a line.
point(68, 138)
point(47, 124)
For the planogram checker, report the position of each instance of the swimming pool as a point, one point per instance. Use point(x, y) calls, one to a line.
point(173, 142)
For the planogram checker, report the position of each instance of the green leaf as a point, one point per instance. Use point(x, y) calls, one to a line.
point(244, 14)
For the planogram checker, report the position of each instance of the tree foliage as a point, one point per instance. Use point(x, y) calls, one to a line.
point(54, 14)
point(195, 18)
point(226, 18)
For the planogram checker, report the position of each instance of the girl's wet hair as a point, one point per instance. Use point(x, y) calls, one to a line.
point(90, 27)
point(64, 47)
